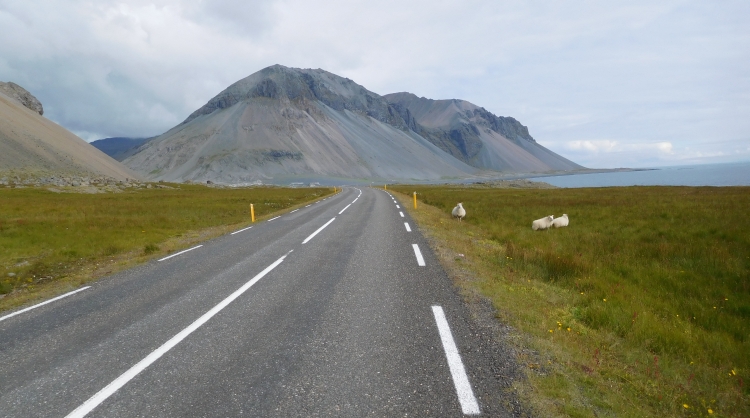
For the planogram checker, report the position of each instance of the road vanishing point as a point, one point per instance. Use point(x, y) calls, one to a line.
point(339, 308)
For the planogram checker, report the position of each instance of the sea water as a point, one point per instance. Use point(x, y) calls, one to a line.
point(728, 174)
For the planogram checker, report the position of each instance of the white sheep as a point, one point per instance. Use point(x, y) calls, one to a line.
point(543, 223)
point(459, 211)
point(561, 221)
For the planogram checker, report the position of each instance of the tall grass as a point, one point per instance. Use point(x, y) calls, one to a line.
point(45, 236)
point(641, 307)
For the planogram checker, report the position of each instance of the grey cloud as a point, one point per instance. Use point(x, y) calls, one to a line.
point(631, 72)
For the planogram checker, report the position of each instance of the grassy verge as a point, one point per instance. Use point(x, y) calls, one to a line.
point(641, 307)
point(53, 242)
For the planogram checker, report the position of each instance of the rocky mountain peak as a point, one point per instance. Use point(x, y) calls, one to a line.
point(21, 95)
point(295, 84)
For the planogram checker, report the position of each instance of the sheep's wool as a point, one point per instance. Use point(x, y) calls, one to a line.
point(459, 211)
point(542, 223)
point(561, 221)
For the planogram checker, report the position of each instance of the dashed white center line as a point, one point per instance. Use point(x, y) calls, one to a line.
point(124, 378)
point(273, 218)
point(418, 254)
point(466, 398)
point(243, 229)
point(401, 213)
point(181, 252)
point(399, 207)
point(316, 232)
point(342, 210)
point(3, 318)
point(408, 228)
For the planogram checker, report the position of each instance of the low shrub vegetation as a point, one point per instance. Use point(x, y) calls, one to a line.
point(49, 237)
point(641, 307)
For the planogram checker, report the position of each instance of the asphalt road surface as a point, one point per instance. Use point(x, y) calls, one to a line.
point(337, 309)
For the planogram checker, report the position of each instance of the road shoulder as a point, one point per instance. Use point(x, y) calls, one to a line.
point(494, 337)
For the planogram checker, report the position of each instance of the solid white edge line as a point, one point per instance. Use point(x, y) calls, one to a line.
point(469, 405)
point(181, 252)
point(294, 211)
point(308, 205)
point(316, 232)
point(401, 213)
point(342, 210)
point(3, 318)
point(116, 384)
point(408, 228)
point(243, 229)
point(420, 259)
point(273, 218)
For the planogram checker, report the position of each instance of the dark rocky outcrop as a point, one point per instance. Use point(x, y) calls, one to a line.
point(475, 136)
point(16, 92)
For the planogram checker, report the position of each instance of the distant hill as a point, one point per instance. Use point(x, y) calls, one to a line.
point(281, 124)
point(31, 143)
point(119, 148)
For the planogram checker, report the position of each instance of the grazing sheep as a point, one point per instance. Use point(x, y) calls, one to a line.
point(543, 223)
point(459, 211)
point(561, 221)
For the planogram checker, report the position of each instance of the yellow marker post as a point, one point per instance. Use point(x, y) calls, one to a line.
point(252, 212)
point(415, 200)
point(385, 187)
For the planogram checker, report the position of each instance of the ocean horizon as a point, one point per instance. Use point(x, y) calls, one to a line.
point(724, 174)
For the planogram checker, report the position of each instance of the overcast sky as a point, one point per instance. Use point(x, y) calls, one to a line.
point(604, 83)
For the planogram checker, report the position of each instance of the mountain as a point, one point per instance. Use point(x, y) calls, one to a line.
point(31, 143)
point(476, 136)
point(284, 124)
point(119, 148)
point(21, 95)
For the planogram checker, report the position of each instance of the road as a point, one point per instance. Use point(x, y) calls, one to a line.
point(339, 308)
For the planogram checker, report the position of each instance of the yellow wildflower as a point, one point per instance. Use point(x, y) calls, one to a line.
point(686, 406)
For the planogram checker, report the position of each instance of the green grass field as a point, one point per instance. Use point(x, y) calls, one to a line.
point(48, 238)
point(641, 307)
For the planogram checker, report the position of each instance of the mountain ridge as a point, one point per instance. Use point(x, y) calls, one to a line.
point(283, 123)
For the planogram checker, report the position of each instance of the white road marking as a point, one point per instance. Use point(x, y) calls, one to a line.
point(399, 207)
point(116, 384)
point(243, 229)
point(355, 200)
point(273, 218)
point(181, 252)
point(342, 210)
point(401, 213)
point(308, 205)
point(294, 211)
point(316, 232)
point(408, 228)
point(3, 318)
point(469, 404)
point(420, 259)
